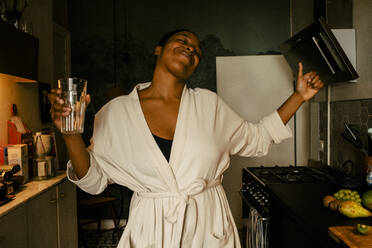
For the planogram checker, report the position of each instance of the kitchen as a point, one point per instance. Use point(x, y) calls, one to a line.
point(346, 100)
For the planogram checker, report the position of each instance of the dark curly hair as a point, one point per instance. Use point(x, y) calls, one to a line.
point(166, 37)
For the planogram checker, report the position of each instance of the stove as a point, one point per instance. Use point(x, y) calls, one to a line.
point(256, 195)
point(288, 174)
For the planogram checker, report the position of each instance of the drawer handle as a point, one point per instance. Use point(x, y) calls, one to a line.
point(53, 201)
point(62, 195)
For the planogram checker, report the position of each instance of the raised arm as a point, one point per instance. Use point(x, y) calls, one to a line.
point(75, 145)
point(306, 87)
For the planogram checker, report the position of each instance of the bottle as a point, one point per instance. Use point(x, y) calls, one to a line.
point(369, 159)
point(16, 127)
point(369, 175)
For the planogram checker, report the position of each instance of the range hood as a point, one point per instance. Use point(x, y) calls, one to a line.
point(18, 52)
point(319, 50)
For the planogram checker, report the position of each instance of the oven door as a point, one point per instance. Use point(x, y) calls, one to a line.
point(257, 230)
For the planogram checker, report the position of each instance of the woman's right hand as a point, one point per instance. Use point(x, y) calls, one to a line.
point(58, 109)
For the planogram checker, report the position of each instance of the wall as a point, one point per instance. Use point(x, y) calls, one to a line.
point(362, 23)
point(352, 102)
point(301, 17)
point(225, 28)
point(358, 113)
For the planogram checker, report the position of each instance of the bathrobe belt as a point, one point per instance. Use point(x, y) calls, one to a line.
point(176, 214)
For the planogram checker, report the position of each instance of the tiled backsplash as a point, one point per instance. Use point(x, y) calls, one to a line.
point(357, 113)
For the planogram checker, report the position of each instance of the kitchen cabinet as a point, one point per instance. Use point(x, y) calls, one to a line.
point(13, 229)
point(67, 215)
point(42, 220)
point(52, 218)
point(19, 52)
point(48, 220)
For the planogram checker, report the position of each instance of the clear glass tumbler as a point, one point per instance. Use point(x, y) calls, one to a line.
point(74, 91)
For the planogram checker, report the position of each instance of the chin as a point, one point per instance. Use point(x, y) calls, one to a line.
point(181, 71)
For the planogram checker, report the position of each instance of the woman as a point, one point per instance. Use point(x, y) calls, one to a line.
point(171, 145)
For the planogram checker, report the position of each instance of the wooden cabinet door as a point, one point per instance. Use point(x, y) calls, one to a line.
point(67, 215)
point(13, 229)
point(42, 220)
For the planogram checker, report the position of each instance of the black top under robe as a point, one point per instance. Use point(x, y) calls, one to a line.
point(165, 146)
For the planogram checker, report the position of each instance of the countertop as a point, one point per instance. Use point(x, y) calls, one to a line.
point(30, 190)
point(304, 202)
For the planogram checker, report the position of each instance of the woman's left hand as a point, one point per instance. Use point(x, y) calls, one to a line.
point(307, 85)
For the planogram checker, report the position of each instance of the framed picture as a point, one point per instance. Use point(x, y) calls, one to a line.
point(44, 103)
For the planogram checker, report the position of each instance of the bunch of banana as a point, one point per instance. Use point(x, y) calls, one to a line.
point(352, 209)
point(348, 208)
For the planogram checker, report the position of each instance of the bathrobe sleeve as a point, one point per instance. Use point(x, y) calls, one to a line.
point(96, 179)
point(249, 139)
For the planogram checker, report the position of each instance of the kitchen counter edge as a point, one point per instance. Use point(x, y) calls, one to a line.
point(30, 190)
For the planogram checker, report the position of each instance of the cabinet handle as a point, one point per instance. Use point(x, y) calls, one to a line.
point(53, 201)
point(62, 195)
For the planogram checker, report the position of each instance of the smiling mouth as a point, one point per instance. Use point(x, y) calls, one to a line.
point(188, 56)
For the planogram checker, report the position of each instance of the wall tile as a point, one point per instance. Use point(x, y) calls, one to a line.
point(357, 113)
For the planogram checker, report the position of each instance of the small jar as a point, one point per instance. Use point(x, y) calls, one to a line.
point(51, 168)
point(41, 169)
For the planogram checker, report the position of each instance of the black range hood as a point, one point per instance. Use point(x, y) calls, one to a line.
point(318, 50)
point(18, 52)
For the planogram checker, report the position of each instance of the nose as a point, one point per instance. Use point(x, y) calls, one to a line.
point(190, 48)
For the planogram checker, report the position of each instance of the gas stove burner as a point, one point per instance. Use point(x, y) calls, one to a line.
point(287, 174)
point(289, 177)
point(266, 172)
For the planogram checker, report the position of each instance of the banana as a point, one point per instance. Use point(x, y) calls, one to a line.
point(352, 209)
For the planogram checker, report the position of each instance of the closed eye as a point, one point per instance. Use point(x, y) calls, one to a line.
point(182, 41)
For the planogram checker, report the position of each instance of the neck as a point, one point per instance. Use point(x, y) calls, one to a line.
point(165, 85)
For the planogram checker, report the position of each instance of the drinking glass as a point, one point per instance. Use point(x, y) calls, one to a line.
point(74, 92)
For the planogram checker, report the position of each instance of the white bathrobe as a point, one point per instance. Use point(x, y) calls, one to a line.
point(181, 203)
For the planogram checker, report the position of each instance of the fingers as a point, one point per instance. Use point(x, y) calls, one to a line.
point(58, 108)
point(310, 79)
point(53, 95)
point(300, 69)
point(87, 99)
point(313, 80)
point(317, 85)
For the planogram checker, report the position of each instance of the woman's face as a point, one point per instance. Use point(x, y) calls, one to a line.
point(180, 55)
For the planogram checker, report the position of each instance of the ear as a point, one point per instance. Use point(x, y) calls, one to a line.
point(158, 50)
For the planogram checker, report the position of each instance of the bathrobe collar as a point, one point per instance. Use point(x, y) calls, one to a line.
point(165, 169)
